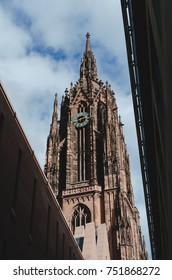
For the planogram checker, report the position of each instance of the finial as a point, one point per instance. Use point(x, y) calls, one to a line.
point(88, 48)
point(88, 35)
point(66, 91)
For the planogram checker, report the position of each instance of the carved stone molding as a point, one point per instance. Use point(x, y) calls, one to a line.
point(80, 190)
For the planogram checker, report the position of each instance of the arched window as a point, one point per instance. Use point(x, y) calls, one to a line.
point(81, 216)
point(101, 127)
point(82, 136)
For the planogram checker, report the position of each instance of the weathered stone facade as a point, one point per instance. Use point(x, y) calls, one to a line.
point(87, 163)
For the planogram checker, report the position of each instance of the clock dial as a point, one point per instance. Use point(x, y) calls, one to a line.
point(80, 120)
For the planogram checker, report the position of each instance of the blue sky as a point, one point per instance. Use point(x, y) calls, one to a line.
point(42, 43)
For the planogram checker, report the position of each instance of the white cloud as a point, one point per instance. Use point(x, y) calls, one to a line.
point(33, 33)
point(14, 39)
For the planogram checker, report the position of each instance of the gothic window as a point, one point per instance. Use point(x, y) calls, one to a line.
point(80, 217)
point(81, 144)
point(101, 122)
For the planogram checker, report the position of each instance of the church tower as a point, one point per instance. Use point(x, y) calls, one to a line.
point(88, 168)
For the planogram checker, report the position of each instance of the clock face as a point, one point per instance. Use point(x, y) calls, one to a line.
point(80, 120)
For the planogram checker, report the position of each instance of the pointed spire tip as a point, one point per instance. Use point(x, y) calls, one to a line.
point(55, 104)
point(88, 47)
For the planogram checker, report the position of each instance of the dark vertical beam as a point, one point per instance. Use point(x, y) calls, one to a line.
point(32, 209)
point(1, 124)
point(16, 182)
point(47, 233)
point(57, 240)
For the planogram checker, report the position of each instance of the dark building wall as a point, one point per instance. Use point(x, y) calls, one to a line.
point(32, 225)
point(149, 41)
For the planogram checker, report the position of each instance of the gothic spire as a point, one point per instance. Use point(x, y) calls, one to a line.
point(54, 124)
point(88, 47)
point(51, 167)
point(55, 104)
point(88, 69)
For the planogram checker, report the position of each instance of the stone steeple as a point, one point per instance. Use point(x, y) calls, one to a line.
point(90, 172)
point(54, 125)
point(88, 68)
point(51, 167)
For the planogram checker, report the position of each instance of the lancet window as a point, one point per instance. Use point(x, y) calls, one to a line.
point(80, 217)
point(81, 144)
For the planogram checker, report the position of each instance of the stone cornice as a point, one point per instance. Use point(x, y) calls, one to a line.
point(79, 190)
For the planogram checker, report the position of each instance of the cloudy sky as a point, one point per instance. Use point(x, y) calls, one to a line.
point(41, 45)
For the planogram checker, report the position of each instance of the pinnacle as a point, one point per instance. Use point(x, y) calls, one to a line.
point(88, 67)
point(55, 104)
point(88, 47)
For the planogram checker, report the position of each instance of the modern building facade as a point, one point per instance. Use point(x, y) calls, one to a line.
point(32, 225)
point(148, 27)
point(88, 168)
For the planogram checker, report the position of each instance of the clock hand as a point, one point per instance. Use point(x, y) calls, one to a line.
point(81, 119)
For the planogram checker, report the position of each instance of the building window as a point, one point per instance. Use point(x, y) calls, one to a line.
point(80, 242)
point(80, 217)
point(81, 150)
